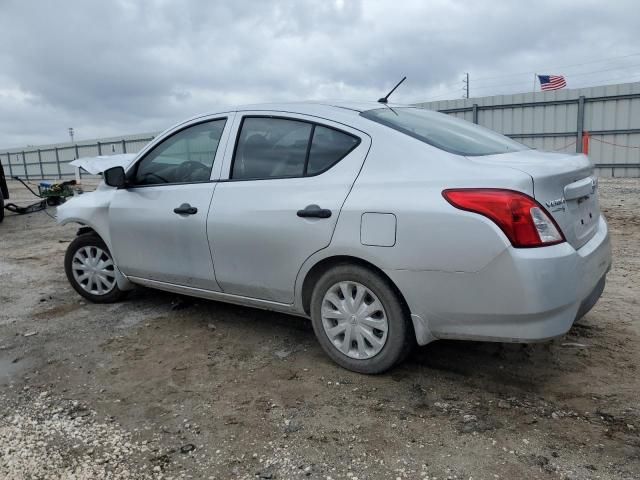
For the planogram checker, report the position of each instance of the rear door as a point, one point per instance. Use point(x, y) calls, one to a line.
point(287, 179)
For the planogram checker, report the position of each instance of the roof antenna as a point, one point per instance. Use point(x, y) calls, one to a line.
point(385, 99)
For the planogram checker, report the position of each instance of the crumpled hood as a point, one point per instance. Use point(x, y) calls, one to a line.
point(96, 165)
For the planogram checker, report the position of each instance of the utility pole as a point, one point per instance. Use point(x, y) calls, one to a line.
point(71, 133)
point(465, 87)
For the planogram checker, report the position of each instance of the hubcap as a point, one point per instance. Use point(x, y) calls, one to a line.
point(93, 270)
point(354, 320)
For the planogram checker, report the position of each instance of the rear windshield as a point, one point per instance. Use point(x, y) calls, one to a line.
point(443, 131)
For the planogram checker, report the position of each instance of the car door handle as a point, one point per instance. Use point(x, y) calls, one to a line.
point(314, 211)
point(185, 209)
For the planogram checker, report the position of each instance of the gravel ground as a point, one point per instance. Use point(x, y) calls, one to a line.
point(161, 386)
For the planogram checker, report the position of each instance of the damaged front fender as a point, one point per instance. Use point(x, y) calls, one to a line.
point(92, 210)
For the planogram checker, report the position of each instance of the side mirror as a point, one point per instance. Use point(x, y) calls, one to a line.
point(115, 177)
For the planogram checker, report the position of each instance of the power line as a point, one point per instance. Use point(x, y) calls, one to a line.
point(568, 76)
point(631, 77)
point(558, 66)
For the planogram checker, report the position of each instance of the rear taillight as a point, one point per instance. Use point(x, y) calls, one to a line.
point(523, 220)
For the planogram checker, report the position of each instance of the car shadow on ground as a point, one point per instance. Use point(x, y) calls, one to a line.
point(501, 366)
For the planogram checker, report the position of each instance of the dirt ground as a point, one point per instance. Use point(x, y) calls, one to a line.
point(160, 386)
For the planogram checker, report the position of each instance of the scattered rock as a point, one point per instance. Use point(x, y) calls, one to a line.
point(180, 304)
point(189, 447)
point(30, 334)
point(266, 474)
point(575, 345)
point(473, 423)
point(538, 460)
point(291, 426)
point(503, 404)
point(282, 354)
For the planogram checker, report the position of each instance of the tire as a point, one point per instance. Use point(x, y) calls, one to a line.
point(94, 251)
point(1, 206)
point(372, 358)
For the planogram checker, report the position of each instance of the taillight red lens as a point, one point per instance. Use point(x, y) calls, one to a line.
point(523, 220)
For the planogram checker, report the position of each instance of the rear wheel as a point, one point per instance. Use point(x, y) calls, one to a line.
point(359, 320)
point(91, 269)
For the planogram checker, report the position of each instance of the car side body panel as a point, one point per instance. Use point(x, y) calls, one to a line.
point(456, 271)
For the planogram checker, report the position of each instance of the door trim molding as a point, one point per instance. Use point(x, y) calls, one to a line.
point(219, 296)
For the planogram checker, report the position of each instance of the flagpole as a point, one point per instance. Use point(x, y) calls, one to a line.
point(534, 82)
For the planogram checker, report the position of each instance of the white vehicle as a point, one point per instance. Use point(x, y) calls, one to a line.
point(386, 225)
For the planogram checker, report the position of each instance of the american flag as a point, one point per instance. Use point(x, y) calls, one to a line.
point(552, 82)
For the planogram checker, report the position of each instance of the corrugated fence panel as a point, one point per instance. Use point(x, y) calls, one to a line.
point(549, 121)
point(542, 120)
point(52, 161)
point(136, 145)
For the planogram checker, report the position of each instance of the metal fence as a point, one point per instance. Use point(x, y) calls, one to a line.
point(555, 121)
point(552, 121)
point(52, 161)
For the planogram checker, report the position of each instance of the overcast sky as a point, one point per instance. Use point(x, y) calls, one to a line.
point(120, 67)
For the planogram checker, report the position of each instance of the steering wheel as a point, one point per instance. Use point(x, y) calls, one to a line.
point(152, 174)
point(186, 170)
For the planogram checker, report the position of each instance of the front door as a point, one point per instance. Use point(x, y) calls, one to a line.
point(158, 223)
point(288, 178)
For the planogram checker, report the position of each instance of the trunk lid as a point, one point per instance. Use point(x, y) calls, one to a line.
point(564, 184)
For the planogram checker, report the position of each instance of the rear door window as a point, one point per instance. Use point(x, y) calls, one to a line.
point(328, 147)
point(269, 147)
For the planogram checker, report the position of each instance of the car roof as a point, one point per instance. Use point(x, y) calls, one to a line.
point(311, 107)
point(338, 110)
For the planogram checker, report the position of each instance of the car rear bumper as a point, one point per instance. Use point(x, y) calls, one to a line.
point(523, 295)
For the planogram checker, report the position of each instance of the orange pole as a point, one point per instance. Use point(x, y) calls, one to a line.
point(585, 143)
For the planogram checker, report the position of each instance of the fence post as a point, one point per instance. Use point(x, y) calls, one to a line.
point(580, 124)
point(124, 146)
point(78, 170)
point(58, 163)
point(24, 162)
point(40, 162)
point(99, 148)
point(10, 168)
point(475, 113)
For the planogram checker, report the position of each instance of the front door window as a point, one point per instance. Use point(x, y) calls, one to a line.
point(185, 157)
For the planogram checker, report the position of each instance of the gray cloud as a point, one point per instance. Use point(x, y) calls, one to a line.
point(109, 68)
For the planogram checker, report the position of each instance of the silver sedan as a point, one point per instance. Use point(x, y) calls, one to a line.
point(387, 226)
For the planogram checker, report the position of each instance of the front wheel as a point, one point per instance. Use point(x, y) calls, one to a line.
point(91, 269)
point(359, 320)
